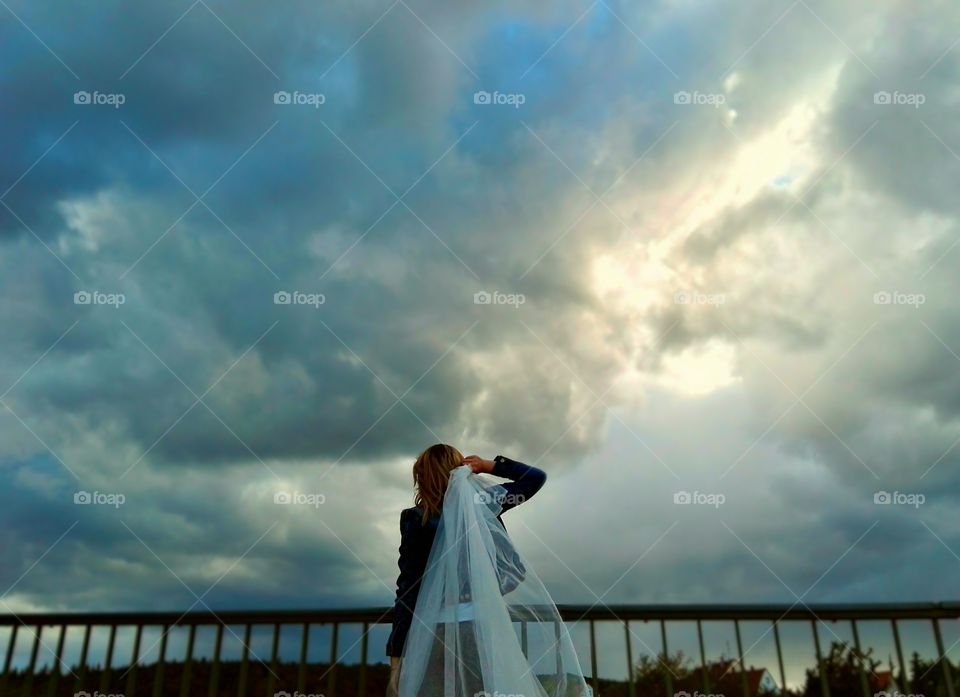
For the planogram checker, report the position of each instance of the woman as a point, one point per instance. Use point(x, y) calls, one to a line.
point(463, 589)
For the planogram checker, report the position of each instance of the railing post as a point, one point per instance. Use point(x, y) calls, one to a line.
point(332, 675)
point(9, 659)
point(743, 667)
point(631, 686)
point(824, 686)
point(944, 663)
point(362, 687)
point(274, 651)
point(302, 670)
point(703, 659)
point(776, 639)
point(185, 678)
point(244, 663)
point(82, 667)
point(161, 659)
point(28, 677)
point(215, 667)
point(54, 680)
point(667, 675)
point(593, 659)
point(864, 686)
point(134, 663)
point(105, 675)
point(903, 666)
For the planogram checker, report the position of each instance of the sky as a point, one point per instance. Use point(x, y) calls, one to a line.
point(695, 260)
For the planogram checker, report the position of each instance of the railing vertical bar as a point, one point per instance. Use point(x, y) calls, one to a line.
point(743, 667)
point(244, 662)
point(106, 674)
point(864, 685)
point(703, 659)
point(134, 663)
point(28, 677)
point(631, 687)
point(82, 666)
point(593, 659)
point(332, 675)
point(185, 678)
point(302, 670)
point(54, 680)
point(215, 666)
point(899, 647)
point(776, 639)
point(161, 660)
point(274, 651)
point(556, 644)
point(667, 677)
point(523, 638)
point(944, 663)
point(362, 688)
point(824, 683)
point(8, 661)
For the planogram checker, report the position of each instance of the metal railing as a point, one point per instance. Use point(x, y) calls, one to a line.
point(28, 681)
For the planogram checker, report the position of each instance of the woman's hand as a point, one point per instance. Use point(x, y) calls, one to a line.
point(478, 464)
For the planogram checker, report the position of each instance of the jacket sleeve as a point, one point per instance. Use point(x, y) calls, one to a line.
point(408, 586)
point(526, 480)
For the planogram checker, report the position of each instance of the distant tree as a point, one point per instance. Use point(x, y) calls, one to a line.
point(842, 666)
point(926, 677)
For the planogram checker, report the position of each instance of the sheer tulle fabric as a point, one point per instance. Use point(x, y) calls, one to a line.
point(484, 625)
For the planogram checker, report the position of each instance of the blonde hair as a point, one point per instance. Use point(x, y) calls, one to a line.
point(431, 472)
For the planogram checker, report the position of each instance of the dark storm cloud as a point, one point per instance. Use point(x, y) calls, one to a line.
point(304, 203)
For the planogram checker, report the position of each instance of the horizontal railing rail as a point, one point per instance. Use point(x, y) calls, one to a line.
point(203, 676)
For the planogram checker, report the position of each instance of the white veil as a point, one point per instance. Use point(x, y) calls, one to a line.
point(484, 625)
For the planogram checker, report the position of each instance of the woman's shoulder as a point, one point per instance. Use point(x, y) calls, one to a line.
point(411, 518)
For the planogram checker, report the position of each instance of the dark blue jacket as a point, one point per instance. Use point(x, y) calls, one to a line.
point(416, 541)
